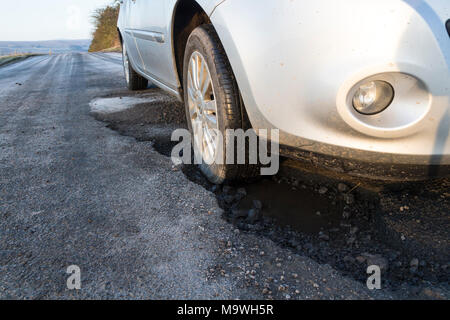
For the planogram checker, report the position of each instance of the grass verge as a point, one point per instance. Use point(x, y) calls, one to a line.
point(4, 60)
point(113, 49)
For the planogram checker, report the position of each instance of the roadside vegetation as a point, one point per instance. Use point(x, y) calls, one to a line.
point(4, 60)
point(105, 36)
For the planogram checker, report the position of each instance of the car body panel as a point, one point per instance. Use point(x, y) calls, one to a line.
point(296, 63)
point(295, 74)
point(127, 36)
point(149, 38)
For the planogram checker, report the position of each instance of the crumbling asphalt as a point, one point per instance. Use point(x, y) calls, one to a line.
point(95, 187)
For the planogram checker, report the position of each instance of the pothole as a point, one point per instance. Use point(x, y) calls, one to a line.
point(330, 220)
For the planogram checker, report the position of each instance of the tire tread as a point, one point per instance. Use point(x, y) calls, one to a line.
point(234, 107)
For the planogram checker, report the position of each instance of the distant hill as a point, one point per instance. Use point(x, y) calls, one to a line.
point(56, 46)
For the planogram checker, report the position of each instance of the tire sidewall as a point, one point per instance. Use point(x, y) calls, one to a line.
point(135, 81)
point(201, 41)
point(125, 55)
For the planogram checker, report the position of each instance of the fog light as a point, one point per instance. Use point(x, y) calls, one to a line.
point(373, 97)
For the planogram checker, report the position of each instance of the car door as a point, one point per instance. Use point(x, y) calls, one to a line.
point(151, 27)
point(126, 20)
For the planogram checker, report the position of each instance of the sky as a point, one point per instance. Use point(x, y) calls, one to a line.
point(36, 20)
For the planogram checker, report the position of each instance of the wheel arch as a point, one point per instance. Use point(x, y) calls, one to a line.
point(186, 16)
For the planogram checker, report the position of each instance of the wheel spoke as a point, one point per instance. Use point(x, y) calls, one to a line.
point(191, 79)
point(206, 83)
point(196, 73)
point(191, 93)
point(202, 110)
point(211, 121)
point(209, 141)
point(210, 107)
point(193, 75)
point(193, 112)
point(204, 79)
point(199, 65)
point(198, 129)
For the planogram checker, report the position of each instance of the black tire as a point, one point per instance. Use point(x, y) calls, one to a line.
point(230, 110)
point(135, 81)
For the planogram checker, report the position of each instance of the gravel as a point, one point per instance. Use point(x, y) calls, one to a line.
point(111, 201)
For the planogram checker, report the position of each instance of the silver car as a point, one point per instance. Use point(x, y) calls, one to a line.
point(359, 86)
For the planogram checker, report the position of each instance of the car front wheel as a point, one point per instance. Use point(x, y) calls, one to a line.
point(213, 105)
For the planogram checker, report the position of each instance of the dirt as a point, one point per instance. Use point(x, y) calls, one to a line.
point(341, 221)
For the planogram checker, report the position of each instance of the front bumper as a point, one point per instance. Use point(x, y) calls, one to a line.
point(296, 74)
point(368, 165)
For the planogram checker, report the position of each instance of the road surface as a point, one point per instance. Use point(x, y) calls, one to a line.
point(75, 192)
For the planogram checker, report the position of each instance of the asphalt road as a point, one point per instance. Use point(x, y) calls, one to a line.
point(75, 192)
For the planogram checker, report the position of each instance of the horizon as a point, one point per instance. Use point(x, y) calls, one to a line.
point(48, 20)
point(48, 40)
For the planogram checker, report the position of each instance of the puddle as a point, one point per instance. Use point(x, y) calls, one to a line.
point(117, 104)
point(301, 209)
point(151, 107)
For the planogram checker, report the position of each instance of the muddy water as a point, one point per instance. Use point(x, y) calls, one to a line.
point(298, 208)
